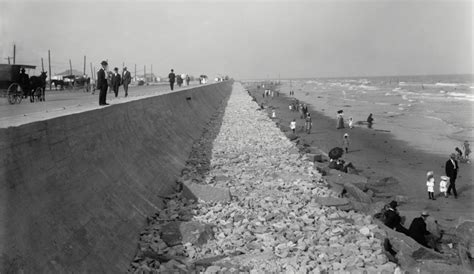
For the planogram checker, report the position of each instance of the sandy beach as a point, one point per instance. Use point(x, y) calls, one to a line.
point(377, 155)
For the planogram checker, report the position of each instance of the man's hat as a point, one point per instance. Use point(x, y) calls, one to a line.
point(104, 63)
point(452, 155)
point(124, 68)
point(425, 213)
point(116, 68)
point(393, 204)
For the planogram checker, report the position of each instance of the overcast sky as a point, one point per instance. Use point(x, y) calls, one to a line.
point(251, 39)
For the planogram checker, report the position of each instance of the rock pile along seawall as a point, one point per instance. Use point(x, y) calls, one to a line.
point(76, 190)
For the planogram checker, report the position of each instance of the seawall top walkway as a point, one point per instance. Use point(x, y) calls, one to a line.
point(60, 103)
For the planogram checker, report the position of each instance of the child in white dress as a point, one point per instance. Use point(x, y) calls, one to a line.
point(430, 182)
point(443, 185)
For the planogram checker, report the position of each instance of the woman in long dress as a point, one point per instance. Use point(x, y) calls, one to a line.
point(340, 121)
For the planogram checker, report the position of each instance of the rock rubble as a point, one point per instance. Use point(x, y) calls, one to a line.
point(281, 217)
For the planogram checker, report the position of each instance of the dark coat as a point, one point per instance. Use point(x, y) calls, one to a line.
point(126, 78)
point(172, 77)
point(101, 79)
point(418, 231)
point(116, 80)
point(451, 170)
point(392, 218)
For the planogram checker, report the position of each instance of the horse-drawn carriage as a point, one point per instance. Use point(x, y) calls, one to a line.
point(16, 84)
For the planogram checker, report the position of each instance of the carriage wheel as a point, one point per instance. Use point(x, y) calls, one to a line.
point(12, 92)
point(18, 97)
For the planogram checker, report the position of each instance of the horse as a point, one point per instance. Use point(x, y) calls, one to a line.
point(37, 87)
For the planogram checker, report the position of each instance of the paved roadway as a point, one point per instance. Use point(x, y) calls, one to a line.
point(59, 103)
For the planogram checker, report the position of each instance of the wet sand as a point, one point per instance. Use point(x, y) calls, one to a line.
point(376, 154)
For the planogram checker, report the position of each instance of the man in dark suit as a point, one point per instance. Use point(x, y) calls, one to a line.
point(172, 78)
point(102, 84)
point(116, 81)
point(126, 79)
point(418, 230)
point(451, 168)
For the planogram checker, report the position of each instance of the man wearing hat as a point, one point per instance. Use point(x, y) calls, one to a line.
point(418, 230)
point(102, 84)
point(126, 79)
point(451, 169)
point(393, 218)
point(116, 81)
point(172, 78)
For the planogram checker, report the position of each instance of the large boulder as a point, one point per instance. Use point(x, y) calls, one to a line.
point(342, 178)
point(206, 193)
point(357, 194)
point(332, 201)
point(196, 233)
point(465, 233)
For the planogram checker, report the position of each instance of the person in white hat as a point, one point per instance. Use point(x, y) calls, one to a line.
point(443, 185)
point(346, 142)
point(430, 182)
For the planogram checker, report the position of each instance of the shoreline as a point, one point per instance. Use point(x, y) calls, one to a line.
point(372, 151)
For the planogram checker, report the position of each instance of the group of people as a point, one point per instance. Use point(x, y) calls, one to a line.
point(447, 183)
point(417, 229)
point(340, 120)
point(112, 80)
point(270, 93)
point(178, 79)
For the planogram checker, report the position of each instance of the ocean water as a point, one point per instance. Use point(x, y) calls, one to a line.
point(432, 113)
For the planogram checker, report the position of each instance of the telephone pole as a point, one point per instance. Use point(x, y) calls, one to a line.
point(135, 78)
point(49, 64)
point(84, 65)
point(70, 67)
point(42, 65)
point(144, 73)
point(14, 54)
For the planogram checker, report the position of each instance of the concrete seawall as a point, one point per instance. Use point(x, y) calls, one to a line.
point(76, 190)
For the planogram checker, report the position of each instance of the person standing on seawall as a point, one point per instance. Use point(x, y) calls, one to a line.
point(102, 84)
point(126, 79)
point(172, 78)
point(116, 81)
point(451, 169)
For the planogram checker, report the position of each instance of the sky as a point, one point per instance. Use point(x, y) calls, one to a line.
point(244, 39)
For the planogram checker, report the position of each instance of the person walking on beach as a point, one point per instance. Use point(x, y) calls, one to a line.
point(172, 78)
point(430, 183)
point(340, 119)
point(116, 80)
point(346, 142)
point(308, 123)
point(102, 84)
point(443, 186)
point(351, 123)
point(467, 150)
point(293, 126)
point(126, 79)
point(370, 121)
point(451, 169)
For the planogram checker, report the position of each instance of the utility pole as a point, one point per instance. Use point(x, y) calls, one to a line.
point(70, 67)
point(84, 65)
point(8, 58)
point(49, 64)
point(144, 73)
point(135, 78)
point(14, 54)
point(151, 74)
point(92, 73)
point(42, 65)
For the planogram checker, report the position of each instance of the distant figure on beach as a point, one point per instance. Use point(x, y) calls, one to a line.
point(126, 79)
point(308, 123)
point(273, 114)
point(451, 168)
point(179, 80)
point(351, 122)
point(290, 107)
point(172, 79)
point(102, 84)
point(340, 119)
point(293, 126)
point(467, 150)
point(458, 154)
point(418, 230)
point(188, 79)
point(430, 183)
point(443, 186)
point(393, 218)
point(116, 81)
point(370, 121)
point(346, 142)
